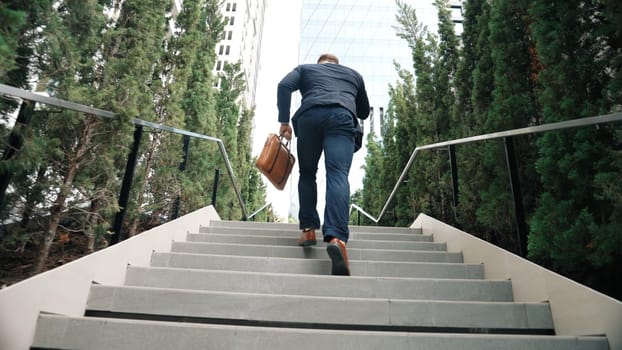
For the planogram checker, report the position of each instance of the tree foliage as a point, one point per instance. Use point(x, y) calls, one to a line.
point(119, 56)
point(576, 226)
point(519, 63)
point(12, 20)
point(371, 198)
point(512, 106)
point(474, 82)
point(429, 109)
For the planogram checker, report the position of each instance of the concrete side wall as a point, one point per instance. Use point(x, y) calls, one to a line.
point(577, 309)
point(64, 290)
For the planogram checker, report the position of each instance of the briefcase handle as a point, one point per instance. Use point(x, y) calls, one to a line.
point(286, 143)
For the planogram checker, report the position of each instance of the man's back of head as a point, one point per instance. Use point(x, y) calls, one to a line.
point(328, 58)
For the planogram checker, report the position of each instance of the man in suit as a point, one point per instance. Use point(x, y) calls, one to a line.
point(333, 96)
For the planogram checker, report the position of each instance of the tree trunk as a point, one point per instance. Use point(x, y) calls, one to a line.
point(141, 191)
point(93, 221)
point(30, 204)
point(55, 216)
point(65, 188)
point(133, 227)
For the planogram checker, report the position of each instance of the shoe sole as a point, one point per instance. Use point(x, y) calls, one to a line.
point(339, 264)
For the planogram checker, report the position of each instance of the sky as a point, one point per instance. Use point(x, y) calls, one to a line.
point(279, 55)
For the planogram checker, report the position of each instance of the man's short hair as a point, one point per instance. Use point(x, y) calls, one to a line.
point(328, 57)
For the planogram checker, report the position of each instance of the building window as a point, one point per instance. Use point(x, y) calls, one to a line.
point(221, 49)
point(229, 35)
point(232, 20)
point(228, 7)
point(226, 20)
point(219, 65)
point(227, 50)
point(234, 6)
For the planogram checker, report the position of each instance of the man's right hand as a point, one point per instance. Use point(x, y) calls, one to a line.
point(286, 131)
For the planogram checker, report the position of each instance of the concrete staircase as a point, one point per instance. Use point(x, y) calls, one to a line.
point(240, 285)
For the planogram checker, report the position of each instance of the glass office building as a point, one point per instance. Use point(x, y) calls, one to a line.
point(362, 34)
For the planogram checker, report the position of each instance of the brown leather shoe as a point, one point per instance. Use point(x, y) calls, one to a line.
point(336, 249)
point(307, 238)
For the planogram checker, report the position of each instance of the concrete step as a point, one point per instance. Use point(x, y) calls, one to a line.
point(291, 241)
point(307, 311)
point(245, 285)
point(314, 285)
point(317, 266)
point(395, 235)
point(313, 252)
point(59, 332)
point(271, 226)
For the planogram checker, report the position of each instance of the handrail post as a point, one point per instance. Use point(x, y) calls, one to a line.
point(126, 186)
point(519, 213)
point(16, 141)
point(215, 188)
point(182, 168)
point(454, 174)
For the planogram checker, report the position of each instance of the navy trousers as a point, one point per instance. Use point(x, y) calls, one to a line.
point(327, 129)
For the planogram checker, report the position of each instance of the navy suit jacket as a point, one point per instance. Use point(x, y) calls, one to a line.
point(323, 85)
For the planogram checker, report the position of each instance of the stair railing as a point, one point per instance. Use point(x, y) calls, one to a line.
point(507, 136)
point(31, 98)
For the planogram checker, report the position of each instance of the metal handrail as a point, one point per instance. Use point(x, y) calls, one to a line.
point(7, 90)
point(268, 204)
point(601, 119)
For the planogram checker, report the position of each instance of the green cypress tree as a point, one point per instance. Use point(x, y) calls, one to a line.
point(483, 78)
point(159, 192)
point(356, 217)
point(132, 55)
point(403, 105)
point(67, 52)
point(199, 107)
point(444, 71)
point(512, 106)
point(252, 188)
point(228, 109)
point(12, 21)
point(611, 29)
point(462, 116)
point(84, 70)
point(19, 33)
point(473, 90)
point(373, 196)
point(96, 177)
point(430, 186)
point(244, 166)
point(576, 228)
point(389, 172)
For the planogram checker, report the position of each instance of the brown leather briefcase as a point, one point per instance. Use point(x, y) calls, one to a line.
point(276, 161)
